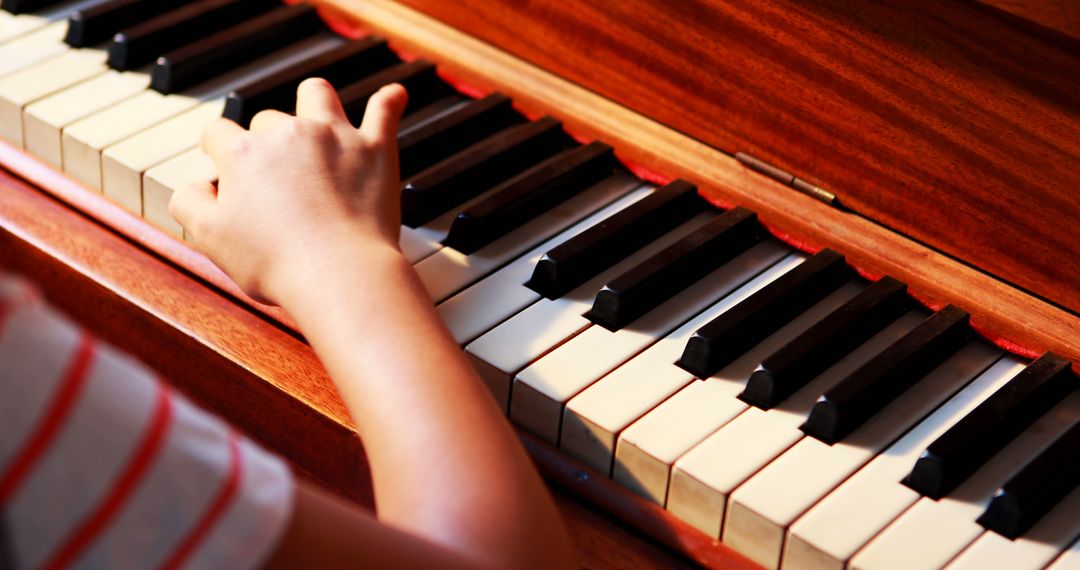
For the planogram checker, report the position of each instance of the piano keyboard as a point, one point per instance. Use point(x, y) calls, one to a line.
point(772, 399)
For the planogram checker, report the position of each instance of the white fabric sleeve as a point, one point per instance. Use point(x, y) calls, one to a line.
point(104, 466)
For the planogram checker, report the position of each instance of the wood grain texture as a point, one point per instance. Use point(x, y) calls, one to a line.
point(1003, 313)
point(1060, 15)
point(235, 363)
point(954, 123)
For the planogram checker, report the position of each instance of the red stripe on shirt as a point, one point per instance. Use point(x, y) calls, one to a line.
point(215, 510)
point(129, 479)
point(71, 385)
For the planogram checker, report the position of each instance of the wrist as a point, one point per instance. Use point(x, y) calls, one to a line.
point(331, 271)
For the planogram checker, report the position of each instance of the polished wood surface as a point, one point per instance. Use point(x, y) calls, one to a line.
point(1059, 15)
point(268, 383)
point(952, 122)
point(1003, 313)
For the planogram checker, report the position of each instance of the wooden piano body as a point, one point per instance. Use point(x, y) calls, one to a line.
point(950, 132)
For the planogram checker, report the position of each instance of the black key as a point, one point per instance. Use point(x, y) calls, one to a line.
point(477, 168)
point(729, 335)
point(530, 194)
point(582, 257)
point(143, 43)
point(822, 345)
point(97, 23)
point(23, 6)
point(232, 47)
point(339, 66)
point(417, 77)
point(954, 456)
point(425, 146)
point(430, 111)
point(655, 280)
point(1037, 488)
point(866, 391)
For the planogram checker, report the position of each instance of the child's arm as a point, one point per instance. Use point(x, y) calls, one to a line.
point(306, 215)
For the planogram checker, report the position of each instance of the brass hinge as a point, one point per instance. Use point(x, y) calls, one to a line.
point(788, 179)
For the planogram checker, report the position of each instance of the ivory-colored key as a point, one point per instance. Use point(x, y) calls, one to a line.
point(761, 510)
point(541, 390)
point(514, 344)
point(1069, 560)
point(645, 450)
point(832, 531)
point(123, 164)
point(85, 140)
point(448, 271)
point(44, 120)
point(161, 181)
point(420, 243)
point(931, 533)
point(593, 419)
point(1031, 551)
point(15, 25)
point(23, 87)
point(499, 296)
point(703, 478)
point(28, 49)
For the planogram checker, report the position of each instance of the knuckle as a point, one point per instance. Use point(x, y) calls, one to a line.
point(238, 147)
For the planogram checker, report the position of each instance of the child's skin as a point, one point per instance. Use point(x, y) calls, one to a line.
point(306, 216)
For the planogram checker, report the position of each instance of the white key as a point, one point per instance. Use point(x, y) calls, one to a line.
point(448, 271)
point(761, 509)
point(123, 164)
point(1069, 560)
point(504, 350)
point(420, 242)
point(161, 181)
point(830, 533)
point(593, 418)
point(703, 479)
point(23, 87)
point(541, 390)
point(15, 25)
point(44, 120)
point(647, 448)
point(499, 296)
point(931, 533)
point(84, 140)
point(28, 49)
point(1031, 551)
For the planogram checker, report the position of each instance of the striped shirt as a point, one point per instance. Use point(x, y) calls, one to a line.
point(104, 466)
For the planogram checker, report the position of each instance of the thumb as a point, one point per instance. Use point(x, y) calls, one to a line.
point(383, 113)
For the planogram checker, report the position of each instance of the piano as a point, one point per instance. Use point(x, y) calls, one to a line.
point(791, 285)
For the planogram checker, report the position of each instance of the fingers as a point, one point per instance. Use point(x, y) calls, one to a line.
point(192, 203)
point(317, 100)
point(384, 112)
point(268, 119)
point(219, 135)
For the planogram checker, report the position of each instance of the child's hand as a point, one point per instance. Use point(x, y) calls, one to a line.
point(297, 195)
